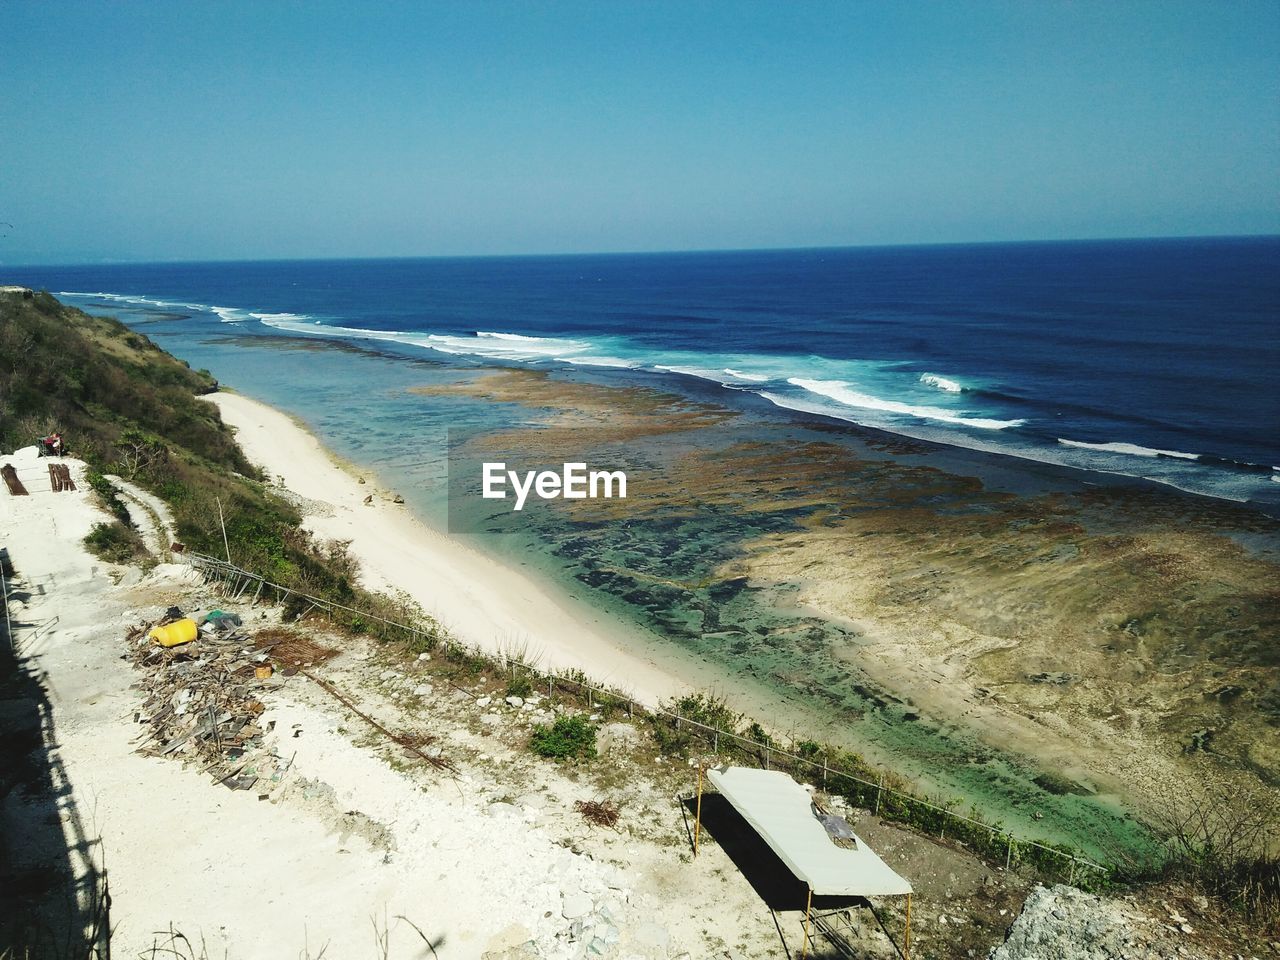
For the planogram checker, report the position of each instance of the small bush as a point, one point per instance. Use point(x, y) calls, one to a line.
point(703, 708)
point(568, 738)
point(114, 542)
point(109, 496)
point(520, 686)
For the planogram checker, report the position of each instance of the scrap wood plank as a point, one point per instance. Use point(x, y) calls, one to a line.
point(57, 477)
point(60, 477)
point(12, 482)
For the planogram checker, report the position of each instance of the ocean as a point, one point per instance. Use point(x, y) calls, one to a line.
point(1147, 358)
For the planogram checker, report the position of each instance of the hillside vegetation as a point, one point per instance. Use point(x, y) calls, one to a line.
point(127, 407)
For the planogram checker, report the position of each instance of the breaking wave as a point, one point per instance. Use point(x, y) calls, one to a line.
point(1131, 449)
point(942, 383)
point(842, 393)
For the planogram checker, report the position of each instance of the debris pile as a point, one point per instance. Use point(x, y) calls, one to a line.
point(201, 699)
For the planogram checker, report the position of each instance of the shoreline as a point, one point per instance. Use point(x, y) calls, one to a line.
point(479, 600)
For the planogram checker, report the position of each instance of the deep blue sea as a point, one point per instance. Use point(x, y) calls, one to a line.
point(1152, 358)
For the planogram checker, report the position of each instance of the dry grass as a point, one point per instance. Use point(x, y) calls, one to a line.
point(602, 813)
point(292, 649)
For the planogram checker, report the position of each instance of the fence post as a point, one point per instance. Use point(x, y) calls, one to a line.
point(1008, 850)
point(879, 787)
point(766, 756)
point(824, 773)
point(715, 743)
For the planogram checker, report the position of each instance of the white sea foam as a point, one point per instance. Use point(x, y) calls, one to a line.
point(296, 317)
point(1131, 449)
point(129, 298)
point(225, 314)
point(507, 346)
point(942, 383)
point(617, 362)
point(702, 373)
point(499, 346)
point(512, 336)
point(842, 393)
point(740, 375)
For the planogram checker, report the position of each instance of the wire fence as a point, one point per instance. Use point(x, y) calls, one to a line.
point(991, 841)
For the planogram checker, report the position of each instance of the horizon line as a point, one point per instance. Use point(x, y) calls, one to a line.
point(634, 253)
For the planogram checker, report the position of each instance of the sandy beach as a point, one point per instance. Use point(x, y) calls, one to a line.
point(480, 601)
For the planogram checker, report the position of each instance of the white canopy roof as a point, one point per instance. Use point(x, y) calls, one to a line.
point(781, 811)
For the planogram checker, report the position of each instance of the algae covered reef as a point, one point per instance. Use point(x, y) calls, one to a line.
point(1058, 653)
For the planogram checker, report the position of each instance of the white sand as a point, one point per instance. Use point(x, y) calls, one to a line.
point(479, 600)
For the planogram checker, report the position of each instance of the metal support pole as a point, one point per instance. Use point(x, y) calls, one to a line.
point(808, 909)
point(879, 788)
point(907, 941)
point(697, 816)
point(8, 625)
point(223, 524)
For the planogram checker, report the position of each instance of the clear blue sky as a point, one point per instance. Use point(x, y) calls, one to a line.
point(225, 130)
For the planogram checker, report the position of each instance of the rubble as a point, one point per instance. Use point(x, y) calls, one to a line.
point(1061, 921)
point(202, 699)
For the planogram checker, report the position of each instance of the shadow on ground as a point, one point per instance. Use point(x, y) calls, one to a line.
point(56, 902)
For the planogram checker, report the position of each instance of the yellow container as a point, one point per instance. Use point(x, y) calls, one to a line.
point(173, 634)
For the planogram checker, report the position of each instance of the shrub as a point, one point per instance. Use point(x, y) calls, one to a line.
point(114, 542)
point(568, 738)
point(519, 685)
point(109, 496)
point(675, 739)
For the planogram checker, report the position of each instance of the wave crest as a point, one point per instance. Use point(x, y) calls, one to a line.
point(942, 383)
point(1131, 449)
point(842, 393)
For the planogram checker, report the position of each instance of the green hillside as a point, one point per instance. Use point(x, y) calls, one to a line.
point(129, 408)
